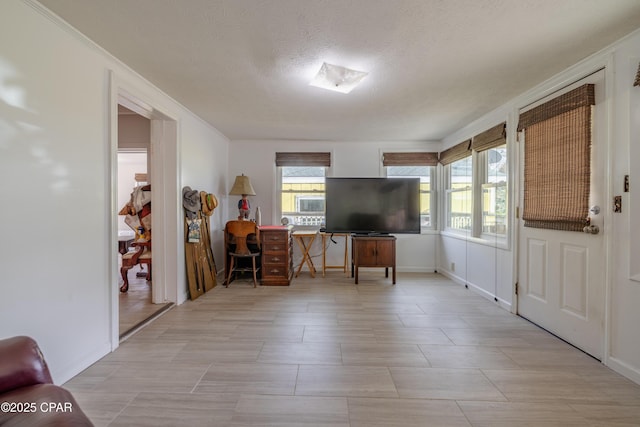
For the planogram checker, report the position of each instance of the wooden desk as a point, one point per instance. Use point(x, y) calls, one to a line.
point(345, 262)
point(305, 240)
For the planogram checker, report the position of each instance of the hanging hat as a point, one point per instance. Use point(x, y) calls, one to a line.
point(190, 202)
point(209, 202)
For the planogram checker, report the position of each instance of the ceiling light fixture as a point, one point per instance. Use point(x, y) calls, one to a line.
point(337, 78)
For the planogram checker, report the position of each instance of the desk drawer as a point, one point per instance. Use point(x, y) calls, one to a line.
point(274, 270)
point(275, 247)
point(274, 258)
point(271, 237)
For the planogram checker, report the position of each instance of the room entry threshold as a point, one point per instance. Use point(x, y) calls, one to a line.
point(135, 328)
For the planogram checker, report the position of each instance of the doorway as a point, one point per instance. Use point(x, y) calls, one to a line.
point(135, 306)
point(562, 274)
point(163, 175)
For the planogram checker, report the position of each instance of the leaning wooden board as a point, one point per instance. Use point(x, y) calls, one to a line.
point(200, 265)
point(206, 256)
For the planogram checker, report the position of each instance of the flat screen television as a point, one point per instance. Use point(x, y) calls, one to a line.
point(372, 206)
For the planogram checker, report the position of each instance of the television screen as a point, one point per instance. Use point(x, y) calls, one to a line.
point(372, 205)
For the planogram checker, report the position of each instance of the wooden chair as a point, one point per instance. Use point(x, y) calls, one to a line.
point(239, 235)
point(141, 254)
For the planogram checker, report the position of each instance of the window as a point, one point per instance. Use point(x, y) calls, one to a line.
point(425, 173)
point(302, 189)
point(302, 194)
point(459, 195)
point(458, 175)
point(476, 184)
point(493, 163)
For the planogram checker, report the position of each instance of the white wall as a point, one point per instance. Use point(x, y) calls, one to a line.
point(348, 159)
point(624, 315)
point(483, 266)
point(58, 283)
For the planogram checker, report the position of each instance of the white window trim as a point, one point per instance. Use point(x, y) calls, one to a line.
point(483, 182)
point(447, 230)
point(475, 234)
point(278, 196)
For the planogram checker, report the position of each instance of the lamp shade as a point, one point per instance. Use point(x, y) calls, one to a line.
point(241, 186)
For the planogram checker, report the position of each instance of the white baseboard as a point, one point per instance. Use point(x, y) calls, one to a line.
point(477, 289)
point(459, 280)
point(624, 369)
point(80, 365)
point(420, 269)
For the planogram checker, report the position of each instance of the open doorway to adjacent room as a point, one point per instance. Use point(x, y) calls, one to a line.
point(135, 306)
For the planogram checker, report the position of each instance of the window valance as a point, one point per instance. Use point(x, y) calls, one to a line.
point(579, 97)
point(455, 153)
point(410, 159)
point(491, 138)
point(303, 159)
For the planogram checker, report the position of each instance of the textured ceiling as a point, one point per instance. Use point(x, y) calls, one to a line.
point(434, 65)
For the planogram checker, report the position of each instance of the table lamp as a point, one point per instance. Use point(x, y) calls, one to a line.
point(242, 187)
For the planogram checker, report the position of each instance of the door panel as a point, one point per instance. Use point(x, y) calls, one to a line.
point(574, 280)
point(561, 274)
point(536, 267)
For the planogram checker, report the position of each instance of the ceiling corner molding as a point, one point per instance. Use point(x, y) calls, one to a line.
point(61, 23)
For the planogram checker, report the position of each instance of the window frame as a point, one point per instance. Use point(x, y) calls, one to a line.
point(476, 149)
point(448, 194)
point(305, 224)
point(484, 183)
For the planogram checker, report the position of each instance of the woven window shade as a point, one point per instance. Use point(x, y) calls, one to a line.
point(491, 138)
point(410, 159)
point(579, 97)
point(557, 171)
point(455, 153)
point(637, 81)
point(303, 159)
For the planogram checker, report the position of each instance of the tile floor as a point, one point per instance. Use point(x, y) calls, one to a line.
point(135, 305)
point(326, 352)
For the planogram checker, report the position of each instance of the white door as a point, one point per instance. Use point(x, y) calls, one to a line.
point(561, 274)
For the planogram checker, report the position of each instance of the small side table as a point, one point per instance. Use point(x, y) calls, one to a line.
point(373, 251)
point(305, 240)
point(344, 265)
